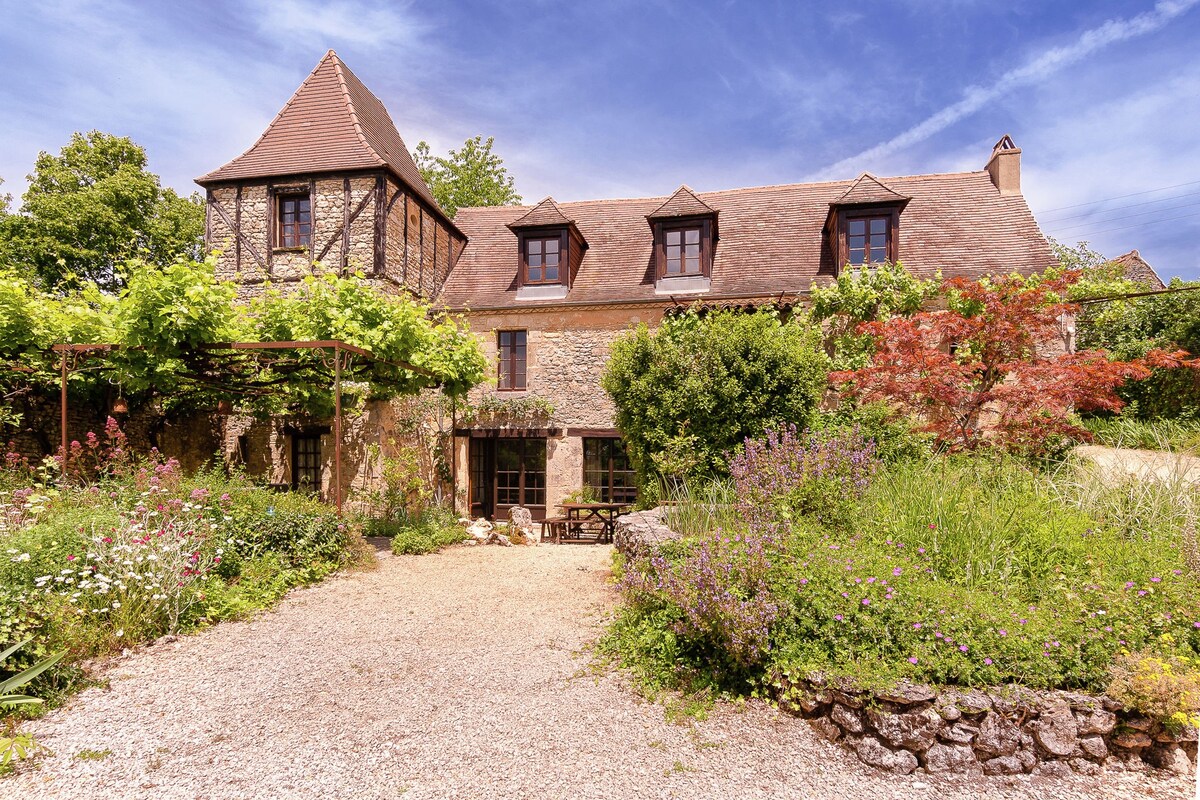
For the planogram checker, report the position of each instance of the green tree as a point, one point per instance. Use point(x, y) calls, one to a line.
point(470, 176)
point(690, 392)
point(92, 207)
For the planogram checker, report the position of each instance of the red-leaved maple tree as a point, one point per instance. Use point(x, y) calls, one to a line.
point(992, 368)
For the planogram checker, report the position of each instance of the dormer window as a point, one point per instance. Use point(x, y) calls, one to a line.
point(868, 239)
point(543, 259)
point(682, 249)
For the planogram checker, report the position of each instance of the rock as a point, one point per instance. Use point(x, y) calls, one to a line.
point(1111, 705)
point(1052, 769)
point(1083, 766)
point(848, 699)
point(849, 719)
point(1096, 721)
point(520, 521)
point(1081, 702)
point(498, 538)
point(827, 728)
point(1169, 757)
point(808, 702)
point(1131, 740)
point(1013, 699)
point(997, 736)
point(950, 758)
point(1055, 730)
point(959, 733)
point(1027, 758)
point(906, 694)
point(1004, 765)
point(1093, 746)
point(1138, 723)
point(480, 529)
point(872, 751)
point(642, 533)
point(915, 730)
point(948, 710)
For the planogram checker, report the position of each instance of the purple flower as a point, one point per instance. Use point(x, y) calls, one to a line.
point(1156, 580)
point(1141, 592)
point(803, 581)
point(987, 661)
point(866, 601)
point(917, 625)
point(1128, 584)
point(912, 659)
point(838, 617)
point(962, 647)
point(871, 580)
point(897, 571)
point(921, 550)
point(1003, 632)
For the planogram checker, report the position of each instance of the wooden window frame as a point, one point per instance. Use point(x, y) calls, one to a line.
point(525, 447)
point(279, 238)
point(705, 224)
point(889, 212)
point(512, 360)
point(297, 438)
point(564, 262)
point(610, 470)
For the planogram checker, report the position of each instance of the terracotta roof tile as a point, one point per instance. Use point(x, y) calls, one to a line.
point(771, 240)
point(684, 203)
point(1137, 269)
point(331, 124)
point(546, 212)
point(868, 189)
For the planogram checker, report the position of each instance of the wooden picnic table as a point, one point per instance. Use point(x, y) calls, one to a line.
point(603, 516)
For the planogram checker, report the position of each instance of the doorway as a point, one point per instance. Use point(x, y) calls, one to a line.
point(507, 472)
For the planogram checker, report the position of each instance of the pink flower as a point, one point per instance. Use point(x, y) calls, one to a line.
point(1003, 632)
point(933, 526)
point(838, 617)
point(72, 558)
point(921, 550)
point(107, 540)
point(962, 647)
point(917, 626)
point(1128, 584)
point(912, 659)
point(987, 661)
point(803, 581)
point(897, 571)
point(1156, 580)
point(866, 601)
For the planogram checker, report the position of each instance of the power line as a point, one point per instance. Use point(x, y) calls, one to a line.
point(1120, 197)
point(1127, 227)
point(1125, 206)
point(1131, 295)
point(1118, 219)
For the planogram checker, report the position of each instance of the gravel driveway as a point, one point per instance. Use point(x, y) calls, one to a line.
point(457, 675)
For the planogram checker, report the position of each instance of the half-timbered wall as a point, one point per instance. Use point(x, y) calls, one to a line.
point(364, 223)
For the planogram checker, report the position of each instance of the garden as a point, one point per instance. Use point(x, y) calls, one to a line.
point(922, 523)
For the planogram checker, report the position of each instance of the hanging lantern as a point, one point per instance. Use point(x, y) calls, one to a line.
point(225, 407)
point(120, 406)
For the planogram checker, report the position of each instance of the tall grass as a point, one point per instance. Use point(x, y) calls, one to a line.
point(1160, 434)
point(695, 508)
point(999, 524)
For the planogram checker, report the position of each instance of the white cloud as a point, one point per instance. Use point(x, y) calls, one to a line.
point(1034, 71)
point(313, 24)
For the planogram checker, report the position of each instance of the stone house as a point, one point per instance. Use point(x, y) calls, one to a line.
point(549, 287)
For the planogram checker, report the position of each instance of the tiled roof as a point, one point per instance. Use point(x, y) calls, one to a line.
point(1135, 268)
point(546, 212)
point(868, 189)
point(684, 203)
point(331, 124)
point(771, 240)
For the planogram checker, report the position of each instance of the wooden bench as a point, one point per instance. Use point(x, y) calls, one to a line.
point(554, 528)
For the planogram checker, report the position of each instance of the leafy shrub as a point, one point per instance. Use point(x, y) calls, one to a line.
point(692, 391)
point(426, 532)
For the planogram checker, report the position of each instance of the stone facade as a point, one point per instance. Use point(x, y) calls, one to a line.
point(566, 352)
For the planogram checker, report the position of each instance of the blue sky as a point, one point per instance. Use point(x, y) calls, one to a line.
point(615, 99)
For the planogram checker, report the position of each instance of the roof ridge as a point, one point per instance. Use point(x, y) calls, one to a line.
point(358, 128)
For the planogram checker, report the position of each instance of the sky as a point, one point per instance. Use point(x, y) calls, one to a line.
point(631, 98)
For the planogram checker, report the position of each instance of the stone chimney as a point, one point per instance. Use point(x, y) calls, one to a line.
point(1005, 166)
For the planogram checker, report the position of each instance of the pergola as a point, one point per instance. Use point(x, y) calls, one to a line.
point(251, 369)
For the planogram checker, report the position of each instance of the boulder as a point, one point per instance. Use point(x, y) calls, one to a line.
point(520, 520)
point(1003, 765)
point(1169, 757)
point(959, 733)
point(997, 736)
point(947, 709)
point(642, 533)
point(827, 728)
point(1027, 758)
point(1096, 721)
point(480, 529)
point(1052, 769)
point(950, 758)
point(906, 694)
point(1093, 746)
point(1131, 740)
point(810, 701)
point(1083, 766)
point(872, 751)
point(1138, 723)
point(849, 719)
point(915, 730)
point(1055, 730)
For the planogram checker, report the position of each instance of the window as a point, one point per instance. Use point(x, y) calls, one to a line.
point(869, 239)
point(295, 221)
point(510, 346)
point(682, 251)
point(520, 473)
point(306, 463)
point(543, 259)
point(607, 471)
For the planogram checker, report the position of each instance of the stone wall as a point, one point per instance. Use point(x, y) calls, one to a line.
point(999, 731)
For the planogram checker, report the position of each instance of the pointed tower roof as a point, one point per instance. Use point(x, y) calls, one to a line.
point(684, 203)
point(546, 212)
point(869, 189)
point(332, 123)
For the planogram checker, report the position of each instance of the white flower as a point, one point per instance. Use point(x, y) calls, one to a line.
point(120, 632)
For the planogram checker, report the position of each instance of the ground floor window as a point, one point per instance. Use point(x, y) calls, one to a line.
point(607, 471)
point(306, 463)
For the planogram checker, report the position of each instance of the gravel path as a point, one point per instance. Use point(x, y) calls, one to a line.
point(1172, 468)
point(457, 675)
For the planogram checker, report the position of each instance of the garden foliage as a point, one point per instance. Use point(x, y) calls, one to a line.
point(691, 391)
